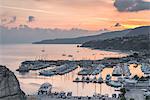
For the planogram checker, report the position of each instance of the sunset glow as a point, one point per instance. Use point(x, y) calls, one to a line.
point(85, 14)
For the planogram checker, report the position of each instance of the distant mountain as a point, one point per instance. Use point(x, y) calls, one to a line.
point(102, 36)
point(137, 39)
point(25, 34)
point(80, 40)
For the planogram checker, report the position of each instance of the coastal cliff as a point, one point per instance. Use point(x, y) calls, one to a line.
point(9, 86)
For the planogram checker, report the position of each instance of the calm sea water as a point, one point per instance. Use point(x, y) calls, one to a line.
point(13, 55)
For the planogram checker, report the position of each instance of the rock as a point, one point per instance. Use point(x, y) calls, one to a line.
point(9, 86)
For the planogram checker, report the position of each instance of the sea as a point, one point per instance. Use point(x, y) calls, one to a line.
point(11, 55)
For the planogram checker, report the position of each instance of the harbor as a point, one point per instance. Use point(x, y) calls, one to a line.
point(90, 72)
point(103, 77)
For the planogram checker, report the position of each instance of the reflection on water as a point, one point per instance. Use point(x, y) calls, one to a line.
point(13, 55)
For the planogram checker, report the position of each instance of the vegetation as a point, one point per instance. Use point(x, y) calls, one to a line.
point(136, 43)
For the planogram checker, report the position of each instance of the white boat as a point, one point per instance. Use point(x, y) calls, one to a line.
point(117, 71)
point(94, 80)
point(45, 89)
point(114, 83)
point(130, 81)
point(47, 73)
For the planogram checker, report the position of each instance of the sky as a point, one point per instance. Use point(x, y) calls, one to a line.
point(67, 14)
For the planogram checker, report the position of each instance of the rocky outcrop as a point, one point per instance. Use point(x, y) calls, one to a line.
point(9, 86)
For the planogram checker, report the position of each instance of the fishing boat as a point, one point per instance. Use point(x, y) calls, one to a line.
point(45, 89)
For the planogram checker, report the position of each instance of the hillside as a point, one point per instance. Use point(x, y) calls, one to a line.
point(103, 36)
point(80, 40)
point(135, 43)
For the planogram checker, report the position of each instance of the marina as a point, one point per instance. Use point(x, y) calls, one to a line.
point(32, 80)
point(100, 76)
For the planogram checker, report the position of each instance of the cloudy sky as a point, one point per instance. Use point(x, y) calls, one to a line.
point(66, 14)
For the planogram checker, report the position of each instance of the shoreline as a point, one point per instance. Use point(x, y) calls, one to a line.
point(111, 50)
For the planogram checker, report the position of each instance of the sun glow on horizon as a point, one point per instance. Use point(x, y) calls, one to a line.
point(86, 14)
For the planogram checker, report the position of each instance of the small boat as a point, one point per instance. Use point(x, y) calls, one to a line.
point(23, 68)
point(77, 80)
point(108, 78)
point(94, 80)
point(100, 80)
point(114, 84)
point(47, 73)
point(45, 89)
point(83, 79)
point(63, 54)
point(70, 55)
point(145, 68)
point(117, 71)
point(125, 69)
point(78, 45)
point(95, 72)
point(130, 81)
point(69, 94)
point(88, 80)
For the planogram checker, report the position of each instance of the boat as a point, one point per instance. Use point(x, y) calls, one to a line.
point(88, 80)
point(45, 89)
point(100, 80)
point(125, 69)
point(96, 71)
point(83, 79)
point(70, 55)
point(47, 73)
point(114, 84)
point(63, 54)
point(117, 71)
point(59, 70)
point(77, 80)
point(94, 80)
point(84, 72)
point(108, 78)
point(145, 68)
point(23, 68)
point(130, 81)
